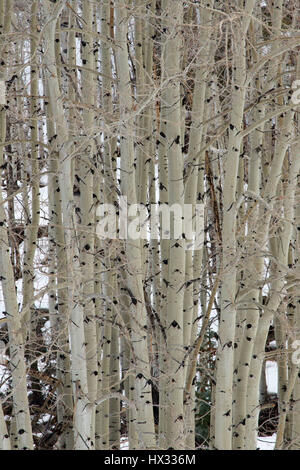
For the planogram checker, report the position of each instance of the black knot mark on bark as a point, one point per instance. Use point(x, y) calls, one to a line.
point(179, 418)
point(162, 187)
point(229, 344)
point(174, 324)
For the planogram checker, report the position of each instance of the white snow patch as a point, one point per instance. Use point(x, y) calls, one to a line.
point(124, 444)
point(271, 376)
point(266, 443)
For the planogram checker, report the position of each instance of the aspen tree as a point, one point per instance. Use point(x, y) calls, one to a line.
point(58, 317)
point(145, 422)
point(4, 440)
point(284, 395)
point(86, 202)
point(152, 285)
point(114, 411)
point(33, 220)
point(56, 237)
point(108, 420)
point(82, 416)
point(277, 286)
point(102, 431)
point(252, 398)
point(163, 198)
point(141, 157)
point(163, 282)
point(164, 102)
point(296, 393)
point(195, 175)
point(172, 49)
point(225, 356)
point(16, 343)
point(263, 144)
point(247, 321)
point(194, 182)
point(103, 330)
point(128, 369)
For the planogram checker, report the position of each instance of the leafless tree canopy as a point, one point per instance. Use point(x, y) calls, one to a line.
point(110, 342)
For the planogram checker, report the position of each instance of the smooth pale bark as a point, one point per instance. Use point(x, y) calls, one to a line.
point(296, 391)
point(111, 348)
point(83, 409)
point(5, 442)
point(290, 320)
point(164, 255)
point(279, 445)
point(4, 436)
point(247, 320)
point(128, 371)
point(286, 381)
point(288, 376)
point(142, 124)
point(153, 273)
point(143, 398)
point(280, 322)
point(258, 175)
point(57, 244)
point(32, 223)
point(86, 204)
point(102, 412)
point(151, 253)
point(225, 355)
point(114, 407)
point(16, 344)
point(102, 428)
point(109, 411)
point(140, 155)
point(197, 173)
point(276, 289)
point(30, 319)
point(194, 191)
point(171, 63)
point(58, 317)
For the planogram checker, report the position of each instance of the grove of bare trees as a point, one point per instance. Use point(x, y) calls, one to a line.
point(114, 335)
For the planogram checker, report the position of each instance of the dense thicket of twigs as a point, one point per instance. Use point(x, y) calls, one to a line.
point(112, 340)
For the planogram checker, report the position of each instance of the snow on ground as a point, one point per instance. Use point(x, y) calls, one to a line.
point(266, 443)
point(124, 443)
point(263, 443)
